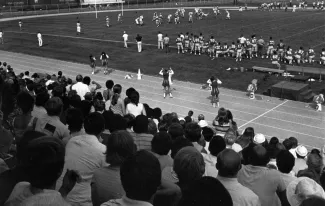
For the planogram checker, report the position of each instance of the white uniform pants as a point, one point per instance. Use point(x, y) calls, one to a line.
point(125, 43)
point(40, 42)
point(139, 46)
point(160, 45)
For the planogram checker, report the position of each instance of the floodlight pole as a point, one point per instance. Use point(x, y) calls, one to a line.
point(96, 8)
point(122, 7)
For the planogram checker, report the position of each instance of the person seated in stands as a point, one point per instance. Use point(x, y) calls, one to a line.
point(230, 139)
point(216, 145)
point(140, 133)
point(300, 161)
point(160, 146)
point(39, 107)
point(273, 148)
point(193, 133)
point(285, 162)
point(221, 123)
point(315, 166)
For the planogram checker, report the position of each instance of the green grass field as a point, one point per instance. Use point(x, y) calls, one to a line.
point(303, 28)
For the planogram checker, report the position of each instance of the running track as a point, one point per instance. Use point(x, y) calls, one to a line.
point(269, 116)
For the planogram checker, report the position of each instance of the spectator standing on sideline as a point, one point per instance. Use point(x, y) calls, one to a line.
point(166, 43)
point(138, 39)
point(228, 165)
point(125, 39)
point(40, 39)
point(80, 87)
point(160, 40)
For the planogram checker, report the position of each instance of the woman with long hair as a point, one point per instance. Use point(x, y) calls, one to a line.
point(104, 58)
point(215, 91)
point(165, 83)
point(135, 107)
point(117, 103)
point(92, 63)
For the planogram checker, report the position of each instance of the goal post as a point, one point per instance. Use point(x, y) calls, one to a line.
point(95, 3)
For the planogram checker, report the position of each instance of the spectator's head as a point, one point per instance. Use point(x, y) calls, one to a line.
point(141, 176)
point(141, 124)
point(44, 161)
point(156, 113)
point(175, 130)
point(85, 107)
point(190, 113)
point(246, 138)
point(152, 127)
point(88, 96)
point(206, 191)
point(228, 163)
point(285, 161)
point(188, 165)
point(129, 118)
point(287, 144)
point(58, 91)
point(25, 102)
point(313, 201)
point(193, 132)
point(217, 145)
point(161, 143)
point(94, 124)
point(120, 145)
point(24, 141)
point(27, 73)
point(86, 80)
point(222, 117)
point(200, 117)
point(109, 84)
point(260, 140)
point(48, 77)
point(315, 162)
point(74, 100)
point(249, 133)
point(79, 78)
point(69, 81)
point(59, 73)
point(188, 119)
point(207, 133)
point(274, 147)
point(99, 105)
point(135, 97)
point(301, 189)
point(230, 137)
point(178, 144)
point(259, 156)
point(129, 91)
point(54, 106)
point(294, 142)
point(74, 119)
point(301, 151)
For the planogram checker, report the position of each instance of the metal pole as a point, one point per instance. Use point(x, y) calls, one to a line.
point(96, 7)
point(122, 7)
point(69, 6)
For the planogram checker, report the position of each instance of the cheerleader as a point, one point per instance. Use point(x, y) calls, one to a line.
point(215, 91)
point(78, 27)
point(165, 83)
point(92, 63)
point(104, 58)
point(252, 88)
point(319, 100)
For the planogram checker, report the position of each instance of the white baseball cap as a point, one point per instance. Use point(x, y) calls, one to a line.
point(302, 151)
point(203, 123)
point(259, 138)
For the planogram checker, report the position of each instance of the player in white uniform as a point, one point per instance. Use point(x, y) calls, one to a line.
point(20, 23)
point(78, 28)
point(107, 21)
point(294, 8)
point(311, 55)
point(190, 17)
point(1, 36)
point(160, 40)
point(119, 18)
point(125, 39)
point(169, 18)
point(227, 15)
point(322, 57)
point(40, 39)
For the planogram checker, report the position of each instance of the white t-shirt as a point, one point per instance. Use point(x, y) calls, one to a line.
point(81, 89)
point(0, 34)
point(160, 37)
point(125, 37)
point(39, 35)
point(133, 109)
point(242, 40)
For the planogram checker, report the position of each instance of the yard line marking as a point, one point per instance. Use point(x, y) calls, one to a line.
point(299, 33)
point(261, 115)
point(246, 105)
point(317, 45)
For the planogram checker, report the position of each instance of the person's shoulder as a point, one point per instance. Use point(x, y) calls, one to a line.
point(116, 202)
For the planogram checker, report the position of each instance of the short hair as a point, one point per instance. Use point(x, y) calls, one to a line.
point(294, 142)
point(99, 105)
point(152, 127)
point(206, 191)
point(140, 176)
point(178, 144)
point(74, 119)
point(230, 137)
point(161, 143)
point(28, 136)
point(44, 161)
point(141, 124)
point(259, 156)
point(86, 80)
point(79, 78)
point(175, 130)
point(228, 163)
point(207, 133)
point(26, 73)
point(129, 91)
point(54, 106)
point(156, 113)
point(120, 145)
point(94, 124)
point(129, 118)
point(285, 161)
point(193, 132)
point(287, 144)
point(188, 165)
point(274, 147)
point(85, 107)
point(25, 102)
point(190, 113)
point(135, 97)
point(217, 145)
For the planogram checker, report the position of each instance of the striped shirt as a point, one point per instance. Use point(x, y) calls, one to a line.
point(143, 141)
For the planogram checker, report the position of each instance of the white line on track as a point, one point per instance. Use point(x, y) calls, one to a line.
point(299, 33)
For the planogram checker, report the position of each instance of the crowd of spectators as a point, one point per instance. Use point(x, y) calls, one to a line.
point(67, 142)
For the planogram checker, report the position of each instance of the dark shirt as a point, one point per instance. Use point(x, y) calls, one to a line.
point(138, 38)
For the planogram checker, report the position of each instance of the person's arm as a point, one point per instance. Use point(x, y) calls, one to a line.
point(98, 86)
point(171, 71)
point(161, 72)
point(123, 106)
point(126, 109)
point(144, 111)
point(70, 179)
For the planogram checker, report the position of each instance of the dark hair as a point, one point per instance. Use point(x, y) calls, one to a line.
point(94, 124)
point(85, 107)
point(175, 130)
point(222, 117)
point(178, 144)
point(313, 201)
point(322, 180)
point(274, 147)
point(206, 191)
point(152, 127)
point(228, 163)
point(156, 113)
point(259, 156)
point(59, 73)
point(75, 100)
point(129, 118)
point(285, 161)
point(86, 80)
point(229, 115)
point(43, 161)
point(120, 145)
point(25, 102)
point(294, 142)
point(117, 89)
point(74, 119)
point(54, 106)
point(193, 132)
point(134, 97)
point(99, 105)
point(69, 81)
point(28, 136)
point(58, 91)
point(79, 78)
point(207, 133)
point(161, 143)
point(129, 91)
point(217, 145)
point(141, 176)
point(287, 144)
point(190, 113)
point(141, 124)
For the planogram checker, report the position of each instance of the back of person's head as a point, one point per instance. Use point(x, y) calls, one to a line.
point(135, 97)
point(260, 139)
point(285, 161)
point(193, 132)
point(274, 147)
point(69, 81)
point(228, 163)
point(25, 102)
point(43, 161)
point(129, 120)
point(249, 133)
point(120, 145)
point(86, 80)
point(315, 161)
point(313, 201)
point(99, 105)
point(156, 113)
point(117, 89)
point(175, 130)
point(48, 77)
point(74, 120)
point(109, 84)
point(54, 106)
point(230, 137)
point(140, 176)
point(129, 91)
point(26, 73)
point(229, 115)
point(217, 145)
point(259, 156)
point(79, 78)
point(188, 165)
point(207, 133)
point(178, 144)
point(152, 127)
point(74, 100)
point(190, 113)
point(206, 191)
point(85, 107)
point(287, 144)
point(94, 124)
point(161, 143)
point(45, 199)
point(141, 124)
point(24, 141)
point(294, 142)
point(58, 91)
point(222, 117)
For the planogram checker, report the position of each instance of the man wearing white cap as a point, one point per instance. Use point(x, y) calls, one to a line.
point(259, 139)
point(300, 162)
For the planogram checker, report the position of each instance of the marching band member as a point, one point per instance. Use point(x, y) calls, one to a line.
point(319, 100)
point(322, 57)
point(311, 55)
point(270, 48)
point(281, 50)
point(252, 89)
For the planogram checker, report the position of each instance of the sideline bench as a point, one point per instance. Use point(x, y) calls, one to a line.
point(263, 69)
point(308, 70)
